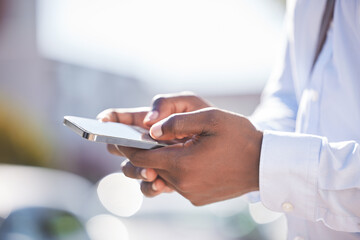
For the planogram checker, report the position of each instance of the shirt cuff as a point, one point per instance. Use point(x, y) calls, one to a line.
point(288, 172)
point(253, 197)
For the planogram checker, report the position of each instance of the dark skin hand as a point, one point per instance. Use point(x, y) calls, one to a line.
point(162, 106)
point(219, 160)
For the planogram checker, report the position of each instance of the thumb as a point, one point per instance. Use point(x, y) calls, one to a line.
point(179, 126)
point(162, 107)
point(166, 104)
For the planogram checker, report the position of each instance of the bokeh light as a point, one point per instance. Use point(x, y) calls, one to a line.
point(120, 195)
point(262, 215)
point(106, 227)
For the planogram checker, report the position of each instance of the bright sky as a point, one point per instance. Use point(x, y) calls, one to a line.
point(207, 46)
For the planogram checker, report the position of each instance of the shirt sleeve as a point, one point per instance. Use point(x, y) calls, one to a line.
point(279, 105)
point(313, 179)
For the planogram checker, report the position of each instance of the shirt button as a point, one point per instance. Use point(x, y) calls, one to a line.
point(287, 207)
point(315, 96)
point(298, 238)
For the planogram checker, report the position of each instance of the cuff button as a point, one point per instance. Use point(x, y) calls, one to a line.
point(287, 207)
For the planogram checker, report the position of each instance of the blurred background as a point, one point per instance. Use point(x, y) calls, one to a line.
point(79, 57)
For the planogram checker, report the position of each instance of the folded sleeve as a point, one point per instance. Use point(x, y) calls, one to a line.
point(313, 179)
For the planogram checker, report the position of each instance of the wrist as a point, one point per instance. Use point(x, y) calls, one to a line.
point(255, 161)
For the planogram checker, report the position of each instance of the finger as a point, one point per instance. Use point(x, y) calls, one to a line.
point(169, 179)
point(152, 189)
point(160, 158)
point(161, 185)
point(157, 184)
point(108, 115)
point(166, 104)
point(129, 116)
point(114, 150)
point(145, 174)
point(179, 126)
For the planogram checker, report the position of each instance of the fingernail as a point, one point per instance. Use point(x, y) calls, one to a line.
point(151, 116)
point(123, 163)
point(156, 131)
point(143, 173)
point(154, 187)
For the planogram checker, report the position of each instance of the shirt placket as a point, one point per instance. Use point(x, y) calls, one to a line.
point(315, 88)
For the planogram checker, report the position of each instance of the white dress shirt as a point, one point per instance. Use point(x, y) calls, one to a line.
point(310, 157)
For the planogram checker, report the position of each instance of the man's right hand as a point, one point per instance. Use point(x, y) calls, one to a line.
point(162, 107)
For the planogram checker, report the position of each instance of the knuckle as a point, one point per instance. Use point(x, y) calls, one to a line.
point(213, 117)
point(193, 98)
point(213, 112)
point(175, 123)
point(110, 113)
point(179, 122)
point(173, 120)
point(171, 124)
point(136, 158)
point(159, 100)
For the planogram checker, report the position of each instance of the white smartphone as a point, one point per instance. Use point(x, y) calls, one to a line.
point(111, 133)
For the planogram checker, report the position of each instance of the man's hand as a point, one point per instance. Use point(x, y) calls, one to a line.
point(162, 107)
point(220, 159)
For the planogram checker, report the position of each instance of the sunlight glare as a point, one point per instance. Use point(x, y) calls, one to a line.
point(106, 227)
point(120, 195)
